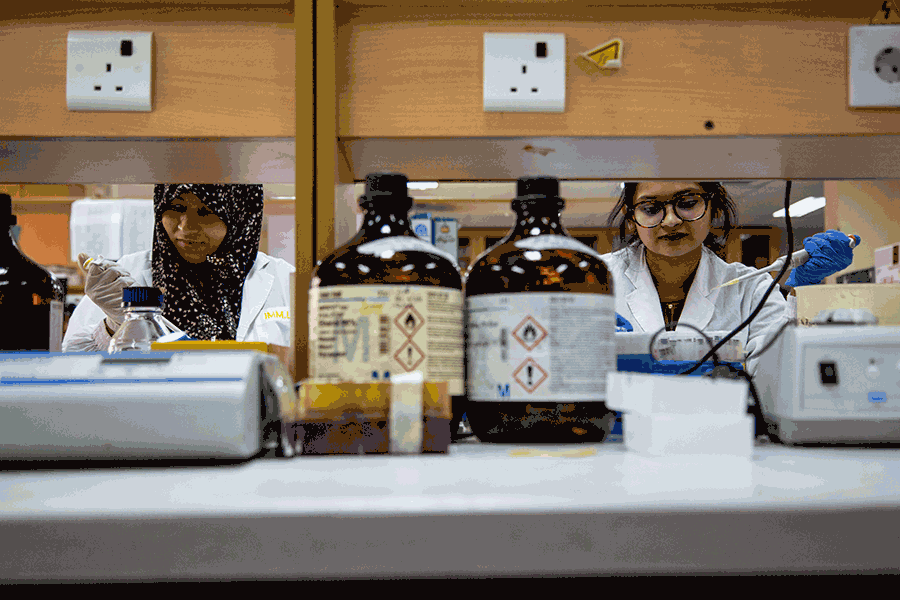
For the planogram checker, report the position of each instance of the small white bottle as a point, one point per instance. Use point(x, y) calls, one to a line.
point(143, 323)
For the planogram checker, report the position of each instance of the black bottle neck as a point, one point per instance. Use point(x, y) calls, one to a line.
point(8, 246)
point(538, 217)
point(384, 219)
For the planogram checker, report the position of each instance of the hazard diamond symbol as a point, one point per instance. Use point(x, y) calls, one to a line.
point(409, 321)
point(409, 355)
point(530, 375)
point(529, 333)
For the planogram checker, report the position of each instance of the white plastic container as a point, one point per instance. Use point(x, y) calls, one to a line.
point(671, 415)
point(887, 264)
point(111, 228)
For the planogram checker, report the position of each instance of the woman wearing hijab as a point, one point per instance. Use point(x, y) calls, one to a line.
point(205, 260)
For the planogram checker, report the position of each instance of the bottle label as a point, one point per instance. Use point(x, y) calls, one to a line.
point(365, 333)
point(553, 242)
point(56, 326)
point(385, 247)
point(546, 347)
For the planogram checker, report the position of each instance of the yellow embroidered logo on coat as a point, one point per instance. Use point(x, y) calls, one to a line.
point(277, 313)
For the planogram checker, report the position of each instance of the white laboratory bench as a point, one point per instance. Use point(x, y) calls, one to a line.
point(478, 511)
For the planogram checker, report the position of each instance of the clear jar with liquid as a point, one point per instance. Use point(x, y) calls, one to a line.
point(143, 323)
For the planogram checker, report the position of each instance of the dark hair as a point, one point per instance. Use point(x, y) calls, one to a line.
point(721, 205)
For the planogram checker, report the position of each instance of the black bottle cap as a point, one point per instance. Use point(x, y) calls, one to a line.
point(537, 189)
point(6, 216)
point(387, 186)
point(142, 296)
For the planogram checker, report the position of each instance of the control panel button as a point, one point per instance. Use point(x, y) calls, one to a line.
point(828, 373)
point(878, 397)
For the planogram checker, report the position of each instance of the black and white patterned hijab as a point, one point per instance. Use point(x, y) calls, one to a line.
point(211, 311)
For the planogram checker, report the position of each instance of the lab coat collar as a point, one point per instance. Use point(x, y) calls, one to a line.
point(643, 298)
point(254, 295)
point(699, 306)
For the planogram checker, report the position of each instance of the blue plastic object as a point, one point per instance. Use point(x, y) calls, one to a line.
point(829, 253)
point(622, 323)
point(142, 296)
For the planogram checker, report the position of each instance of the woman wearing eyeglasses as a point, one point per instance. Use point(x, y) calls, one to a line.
point(669, 268)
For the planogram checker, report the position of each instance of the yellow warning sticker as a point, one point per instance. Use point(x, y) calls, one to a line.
point(606, 56)
point(887, 14)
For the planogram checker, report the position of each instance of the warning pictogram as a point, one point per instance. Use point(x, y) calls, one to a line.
point(409, 321)
point(529, 333)
point(409, 355)
point(530, 375)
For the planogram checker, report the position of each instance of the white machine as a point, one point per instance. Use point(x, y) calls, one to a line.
point(832, 384)
point(135, 406)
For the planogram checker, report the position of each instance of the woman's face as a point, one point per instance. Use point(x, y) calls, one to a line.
point(672, 237)
point(194, 229)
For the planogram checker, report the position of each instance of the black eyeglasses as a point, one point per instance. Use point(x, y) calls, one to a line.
point(688, 206)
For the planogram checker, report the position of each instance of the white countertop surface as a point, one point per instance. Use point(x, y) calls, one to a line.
point(479, 511)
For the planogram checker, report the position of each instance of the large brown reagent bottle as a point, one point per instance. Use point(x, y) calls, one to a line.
point(540, 313)
point(387, 302)
point(31, 298)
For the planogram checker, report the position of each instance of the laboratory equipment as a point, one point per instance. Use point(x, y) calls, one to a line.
point(797, 258)
point(31, 298)
point(111, 228)
point(143, 406)
point(887, 264)
point(834, 383)
point(682, 415)
point(143, 322)
point(541, 318)
point(387, 302)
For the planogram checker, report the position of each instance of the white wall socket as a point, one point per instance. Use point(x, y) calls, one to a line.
point(109, 70)
point(875, 66)
point(524, 72)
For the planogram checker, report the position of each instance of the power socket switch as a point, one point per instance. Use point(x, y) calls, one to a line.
point(524, 72)
point(875, 66)
point(109, 71)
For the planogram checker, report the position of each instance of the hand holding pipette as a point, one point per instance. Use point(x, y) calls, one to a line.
point(823, 254)
point(103, 284)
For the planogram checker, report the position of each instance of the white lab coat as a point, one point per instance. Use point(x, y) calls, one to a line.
point(706, 308)
point(265, 306)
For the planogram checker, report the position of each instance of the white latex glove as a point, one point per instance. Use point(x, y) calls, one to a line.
point(103, 284)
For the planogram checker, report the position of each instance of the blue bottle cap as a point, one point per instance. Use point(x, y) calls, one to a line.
point(142, 296)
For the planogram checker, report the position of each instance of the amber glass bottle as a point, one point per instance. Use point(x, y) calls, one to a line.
point(31, 298)
point(541, 321)
point(387, 302)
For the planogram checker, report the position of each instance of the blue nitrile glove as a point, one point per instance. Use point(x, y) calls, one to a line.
point(829, 253)
point(622, 324)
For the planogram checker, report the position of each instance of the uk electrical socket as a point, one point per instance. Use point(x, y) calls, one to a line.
point(109, 71)
point(524, 72)
point(874, 66)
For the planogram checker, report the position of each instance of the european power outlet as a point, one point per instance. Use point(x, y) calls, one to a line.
point(875, 66)
point(109, 71)
point(524, 72)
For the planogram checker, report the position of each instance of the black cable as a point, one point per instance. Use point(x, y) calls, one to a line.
point(759, 307)
point(756, 408)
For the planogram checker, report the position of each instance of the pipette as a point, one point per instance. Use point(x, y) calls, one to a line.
point(797, 258)
point(85, 261)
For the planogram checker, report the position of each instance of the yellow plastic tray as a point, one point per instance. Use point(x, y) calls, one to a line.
point(209, 345)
